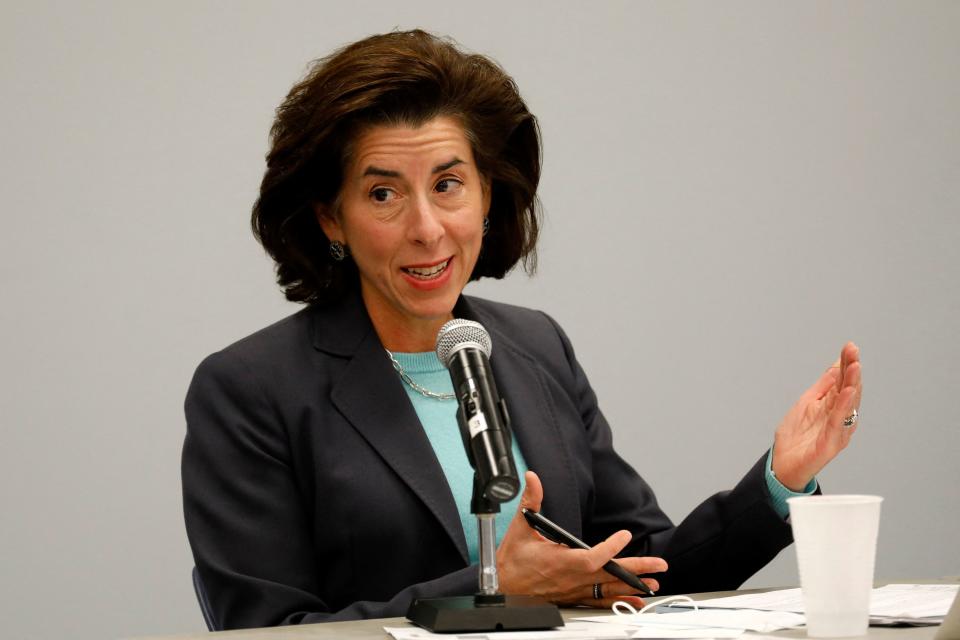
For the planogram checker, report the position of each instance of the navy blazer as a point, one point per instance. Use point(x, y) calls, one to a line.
point(312, 494)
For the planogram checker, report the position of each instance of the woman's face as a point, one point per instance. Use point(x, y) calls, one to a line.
point(411, 215)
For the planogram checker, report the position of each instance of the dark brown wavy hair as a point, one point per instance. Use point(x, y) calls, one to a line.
point(400, 78)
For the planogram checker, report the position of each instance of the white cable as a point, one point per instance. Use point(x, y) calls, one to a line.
point(630, 610)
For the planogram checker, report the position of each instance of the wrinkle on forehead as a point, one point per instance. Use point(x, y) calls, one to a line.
point(387, 146)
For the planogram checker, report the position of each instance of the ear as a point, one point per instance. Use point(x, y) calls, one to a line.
point(487, 195)
point(328, 222)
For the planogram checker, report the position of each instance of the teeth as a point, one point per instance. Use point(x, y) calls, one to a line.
point(427, 272)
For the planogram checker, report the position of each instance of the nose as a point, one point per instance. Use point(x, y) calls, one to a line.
point(425, 228)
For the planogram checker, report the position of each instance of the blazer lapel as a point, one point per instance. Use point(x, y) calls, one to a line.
point(371, 397)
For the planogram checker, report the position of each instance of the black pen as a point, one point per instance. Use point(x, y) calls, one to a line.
point(555, 533)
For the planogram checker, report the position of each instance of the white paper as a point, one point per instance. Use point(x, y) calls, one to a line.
point(781, 600)
point(913, 600)
point(715, 620)
point(699, 633)
point(906, 601)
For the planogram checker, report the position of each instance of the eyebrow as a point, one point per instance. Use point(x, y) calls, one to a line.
point(387, 173)
point(377, 171)
point(447, 165)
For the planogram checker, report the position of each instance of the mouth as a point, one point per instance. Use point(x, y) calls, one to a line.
point(429, 272)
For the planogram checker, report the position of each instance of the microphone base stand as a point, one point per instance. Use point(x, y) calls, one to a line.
point(462, 614)
point(488, 609)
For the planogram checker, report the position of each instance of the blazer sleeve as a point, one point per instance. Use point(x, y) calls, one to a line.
point(245, 516)
point(724, 540)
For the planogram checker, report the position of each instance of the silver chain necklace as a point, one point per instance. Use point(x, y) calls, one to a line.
point(413, 385)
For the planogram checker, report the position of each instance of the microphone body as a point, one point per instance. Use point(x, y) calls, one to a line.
point(464, 346)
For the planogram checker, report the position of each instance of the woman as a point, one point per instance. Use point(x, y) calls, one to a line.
point(324, 478)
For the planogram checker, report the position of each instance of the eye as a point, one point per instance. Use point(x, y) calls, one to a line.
point(382, 194)
point(448, 184)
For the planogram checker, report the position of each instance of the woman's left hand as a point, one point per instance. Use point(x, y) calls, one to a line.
point(813, 431)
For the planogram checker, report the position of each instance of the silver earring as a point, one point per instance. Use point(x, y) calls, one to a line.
point(486, 225)
point(337, 250)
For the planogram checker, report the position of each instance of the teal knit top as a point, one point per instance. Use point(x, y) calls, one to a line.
point(439, 420)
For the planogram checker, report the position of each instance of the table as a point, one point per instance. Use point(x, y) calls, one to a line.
point(373, 629)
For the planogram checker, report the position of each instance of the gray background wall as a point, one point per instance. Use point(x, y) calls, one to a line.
point(732, 191)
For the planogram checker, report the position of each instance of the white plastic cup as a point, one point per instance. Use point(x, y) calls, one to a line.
point(836, 539)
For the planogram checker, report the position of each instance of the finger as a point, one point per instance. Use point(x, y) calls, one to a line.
point(843, 409)
point(622, 588)
point(533, 493)
point(636, 566)
point(853, 381)
point(642, 564)
point(851, 353)
point(606, 550)
point(606, 602)
point(851, 377)
point(826, 382)
point(635, 601)
point(612, 587)
point(829, 400)
point(610, 592)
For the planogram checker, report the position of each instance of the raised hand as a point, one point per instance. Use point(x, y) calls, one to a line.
point(529, 564)
point(814, 431)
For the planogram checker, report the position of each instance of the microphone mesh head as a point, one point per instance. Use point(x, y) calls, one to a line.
point(461, 334)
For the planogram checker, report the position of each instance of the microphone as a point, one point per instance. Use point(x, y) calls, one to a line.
point(463, 346)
